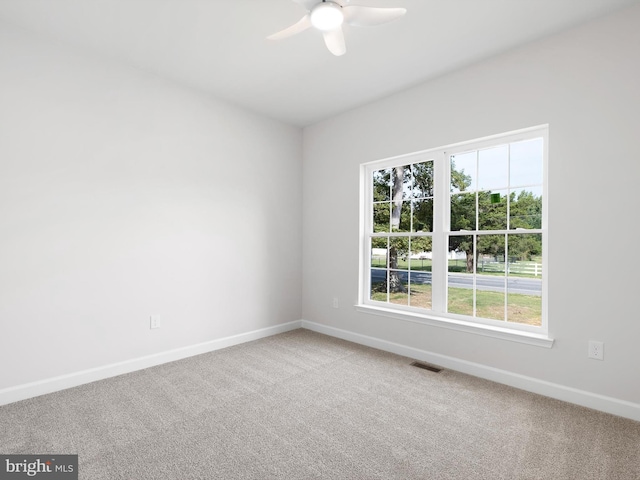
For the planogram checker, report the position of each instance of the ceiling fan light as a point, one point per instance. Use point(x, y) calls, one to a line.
point(327, 16)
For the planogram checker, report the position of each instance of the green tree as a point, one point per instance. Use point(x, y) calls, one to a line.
point(463, 214)
point(396, 245)
point(402, 198)
point(525, 212)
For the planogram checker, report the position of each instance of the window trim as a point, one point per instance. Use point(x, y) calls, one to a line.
point(534, 335)
point(530, 338)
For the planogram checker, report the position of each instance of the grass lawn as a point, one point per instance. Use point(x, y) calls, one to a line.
point(420, 297)
point(525, 309)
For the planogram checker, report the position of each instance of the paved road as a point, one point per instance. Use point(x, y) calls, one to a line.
point(527, 286)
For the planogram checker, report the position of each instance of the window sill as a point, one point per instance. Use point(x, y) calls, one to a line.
point(539, 340)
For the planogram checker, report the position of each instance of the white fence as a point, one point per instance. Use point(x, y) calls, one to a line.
point(379, 255)
point(382, 253)
point(527, 268)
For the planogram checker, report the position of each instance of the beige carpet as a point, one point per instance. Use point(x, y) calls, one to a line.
point(301, 405)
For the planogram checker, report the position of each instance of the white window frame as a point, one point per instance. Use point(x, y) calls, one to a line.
point(437, 316)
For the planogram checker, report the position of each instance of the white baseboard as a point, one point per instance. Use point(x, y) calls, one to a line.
point(595, 401)
point(50, 385)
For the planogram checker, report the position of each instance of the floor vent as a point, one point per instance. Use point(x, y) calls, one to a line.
point(426, 366)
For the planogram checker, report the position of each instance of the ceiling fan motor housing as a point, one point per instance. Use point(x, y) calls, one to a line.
point(327, 16)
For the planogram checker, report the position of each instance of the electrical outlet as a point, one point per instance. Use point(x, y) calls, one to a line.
point(336, 302)
point(596, 350)
point(155, 321)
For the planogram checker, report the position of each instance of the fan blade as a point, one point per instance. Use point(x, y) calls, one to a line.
point(334, 39)
point(370, 16)
point(300, 26)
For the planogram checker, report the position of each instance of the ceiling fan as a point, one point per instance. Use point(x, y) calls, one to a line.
point(328, 17)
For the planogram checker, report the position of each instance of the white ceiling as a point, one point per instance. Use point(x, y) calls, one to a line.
point(219, 46)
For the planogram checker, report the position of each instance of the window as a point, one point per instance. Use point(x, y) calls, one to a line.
point(458, 234)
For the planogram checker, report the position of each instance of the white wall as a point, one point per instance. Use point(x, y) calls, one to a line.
point(584, 84)
point(123, 195)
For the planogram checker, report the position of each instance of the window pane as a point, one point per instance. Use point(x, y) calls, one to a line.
point(399, 287)
point(525, 208)
point(463, 172)
point(524, 309)
point(459, 298)
point(491, 258)
point(401, 182)
point(381, 217)
point(524, 281)
point(379, 252)
point(526, 163)
point(423, 179)
point(490, 303)
point(378, 285)
point(525, 248)
point(382, 185)
point(460, 293)
point(421, 255)
point(398, 252)
point(407, 182)
point(422, 216)
point(463, 211)
point(490, 281)
point(492, 210)
point(420, 274)
point(420, 289)
point(461, 254)
point(493, 166)
point(403, 217)
point(398, 280)
point(400, 189)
